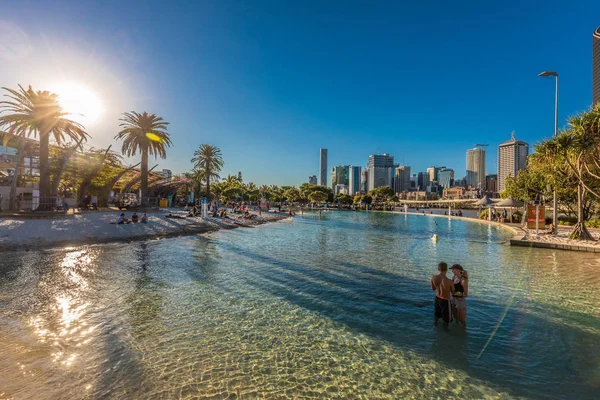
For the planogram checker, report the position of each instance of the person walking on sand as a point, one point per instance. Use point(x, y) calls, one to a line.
point(443, 287)
point(459, 298)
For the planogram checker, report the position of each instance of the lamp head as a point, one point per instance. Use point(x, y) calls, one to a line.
point(548, 73)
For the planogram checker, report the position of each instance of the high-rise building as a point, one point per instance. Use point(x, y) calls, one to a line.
point(422, 180)
point(364, 181)
point(402, 179)
point(491, 183)
point(354, 180)
point(323, 167)
point(596, 66)
point(312, 179)
point(240, 175)
point(446, 178)
point(380, 171)
point(339, 175)
point(512, 157)
point(432, 173)
point(167, 174)
point(476, 168)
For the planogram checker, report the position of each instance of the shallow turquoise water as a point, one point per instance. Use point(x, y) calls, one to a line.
point(336, 307)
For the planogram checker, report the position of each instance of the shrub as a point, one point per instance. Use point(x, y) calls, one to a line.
point(593, 223)
point(564, 220)
point(484, 214)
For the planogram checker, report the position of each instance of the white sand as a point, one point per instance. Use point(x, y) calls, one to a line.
point(562, 237)
point(96, 227)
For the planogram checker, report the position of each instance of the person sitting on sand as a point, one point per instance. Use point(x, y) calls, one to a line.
point(122, 220)
point(134, 218)
point(174, 216)
point(144, 218)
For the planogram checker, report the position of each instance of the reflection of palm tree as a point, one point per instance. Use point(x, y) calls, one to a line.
point(39, 113)
point(147, 134)
point(208, 162)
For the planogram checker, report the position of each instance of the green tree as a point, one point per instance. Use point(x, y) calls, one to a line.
point(39, 114)
point(318, 196)
point(146, 134)
point(292, 194)
point(382, 193)
point(343, 198)
point(208, 162)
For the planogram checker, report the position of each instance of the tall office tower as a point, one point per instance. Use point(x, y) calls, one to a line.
point(476, 168)
point(491, 183)
point(422, 181)
point(402, 179)
point(354, 180)
point(432, 174)
point(167, 175)
point(312, 179)
point(446, 178)
point(323, 167)
point(512, 157)
point(240, 175)
point(380, 169)
point(596, 66)
point(339, 175)
point(364, 181)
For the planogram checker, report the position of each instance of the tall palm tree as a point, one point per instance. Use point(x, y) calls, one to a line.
point(147, 134)
point(31, 113)
point(208, 161)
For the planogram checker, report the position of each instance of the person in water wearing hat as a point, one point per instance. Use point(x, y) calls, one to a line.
point(459, 298)
point(443, 287)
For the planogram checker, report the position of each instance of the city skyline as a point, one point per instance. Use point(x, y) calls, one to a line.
point(303, 86)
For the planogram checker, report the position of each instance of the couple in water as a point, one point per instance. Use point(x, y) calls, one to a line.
point(450, 294)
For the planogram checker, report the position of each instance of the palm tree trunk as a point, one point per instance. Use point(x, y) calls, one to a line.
point(144, 173)
point(44, 168)
point(69, 153)
point(580, 231)
point(208, 185)
point(13, 185)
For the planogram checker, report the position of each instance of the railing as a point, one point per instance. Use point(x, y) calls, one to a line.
point(41, 203)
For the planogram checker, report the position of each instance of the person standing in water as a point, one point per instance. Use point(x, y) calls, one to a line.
point(459, 298)
point(443, 288)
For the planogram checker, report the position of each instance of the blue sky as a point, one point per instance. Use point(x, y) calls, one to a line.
point(271, 82)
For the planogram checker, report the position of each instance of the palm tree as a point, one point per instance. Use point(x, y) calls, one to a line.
point(147, 134)
point(208, 162)
point(31, 113)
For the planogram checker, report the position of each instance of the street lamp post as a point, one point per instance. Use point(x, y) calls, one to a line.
point(554, 201)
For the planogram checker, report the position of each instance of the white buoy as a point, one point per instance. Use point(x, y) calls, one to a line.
point(434, 238)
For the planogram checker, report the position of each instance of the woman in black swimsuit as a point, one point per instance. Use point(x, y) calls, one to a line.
point(459, 300)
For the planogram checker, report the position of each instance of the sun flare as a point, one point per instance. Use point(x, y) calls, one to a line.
point(79, 101)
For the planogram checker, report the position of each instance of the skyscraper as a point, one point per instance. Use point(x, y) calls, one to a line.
point(476, 168)
point(422, 181)
point(312, 179)
point(596, 66)
point(339, 175)
point(446, 178)
point(323, 167)
point(380, 171)
point(402, 179)
point(354, 180)
point(512, 157)
point(432, 173)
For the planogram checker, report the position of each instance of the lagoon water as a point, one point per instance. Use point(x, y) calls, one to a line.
point(331, 307)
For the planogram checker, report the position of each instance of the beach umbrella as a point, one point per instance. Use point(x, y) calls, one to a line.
point(484, 201)
point(510, 202)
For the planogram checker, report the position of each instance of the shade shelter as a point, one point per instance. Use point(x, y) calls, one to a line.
point(510, 202)
point(485, 202)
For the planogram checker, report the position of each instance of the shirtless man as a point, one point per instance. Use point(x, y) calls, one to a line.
point(443, 286)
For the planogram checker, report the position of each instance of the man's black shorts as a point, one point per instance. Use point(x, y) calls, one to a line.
point(442, 309)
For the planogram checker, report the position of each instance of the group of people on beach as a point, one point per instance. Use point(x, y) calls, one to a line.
point(134, 219)
point(450, 294)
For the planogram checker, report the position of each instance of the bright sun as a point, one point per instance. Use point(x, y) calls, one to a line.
point(79, 101)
